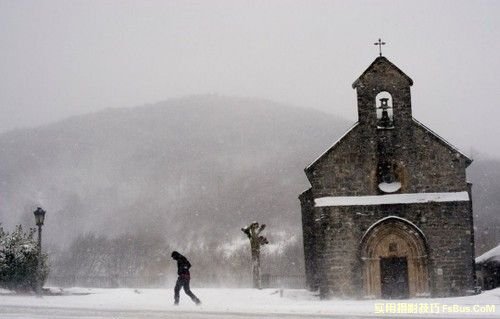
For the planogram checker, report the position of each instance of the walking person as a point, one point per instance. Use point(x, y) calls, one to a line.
point(183, 266)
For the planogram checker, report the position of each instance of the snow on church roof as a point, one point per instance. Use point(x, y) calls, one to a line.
point(490, 255)
point(408, 198)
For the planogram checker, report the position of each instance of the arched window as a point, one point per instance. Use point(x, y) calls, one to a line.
point(385, 114)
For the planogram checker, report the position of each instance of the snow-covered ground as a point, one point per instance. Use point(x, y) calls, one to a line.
point(266, 303)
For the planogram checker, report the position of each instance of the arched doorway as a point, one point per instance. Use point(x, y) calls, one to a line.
point(394, 260)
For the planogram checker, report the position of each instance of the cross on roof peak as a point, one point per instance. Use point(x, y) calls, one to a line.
point(380, 44)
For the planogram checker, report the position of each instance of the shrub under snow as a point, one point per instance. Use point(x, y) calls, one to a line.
point(19, 260)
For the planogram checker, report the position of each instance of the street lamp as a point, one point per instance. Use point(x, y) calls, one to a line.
point(39, 219)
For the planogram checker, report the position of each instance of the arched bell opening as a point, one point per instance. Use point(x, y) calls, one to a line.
point(394, 260)
point(384, 110)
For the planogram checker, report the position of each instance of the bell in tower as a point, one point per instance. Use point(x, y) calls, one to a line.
point(384, 114)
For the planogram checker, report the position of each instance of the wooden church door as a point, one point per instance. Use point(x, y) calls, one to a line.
point(394, 277)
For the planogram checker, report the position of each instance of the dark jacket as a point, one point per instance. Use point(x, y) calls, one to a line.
point(183, 264)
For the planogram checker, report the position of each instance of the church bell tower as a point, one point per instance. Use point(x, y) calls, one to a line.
point(385, 118)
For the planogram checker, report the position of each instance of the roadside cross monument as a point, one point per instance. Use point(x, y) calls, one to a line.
point(256, 241)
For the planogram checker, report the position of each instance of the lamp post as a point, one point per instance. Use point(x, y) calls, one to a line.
point(39, 219)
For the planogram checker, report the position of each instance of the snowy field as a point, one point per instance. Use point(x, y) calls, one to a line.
point(235, 303)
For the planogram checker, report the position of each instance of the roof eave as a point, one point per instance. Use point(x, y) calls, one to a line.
point(468, 161)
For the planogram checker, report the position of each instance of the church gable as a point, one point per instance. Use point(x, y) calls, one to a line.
point(382, 65)
point(422, 162)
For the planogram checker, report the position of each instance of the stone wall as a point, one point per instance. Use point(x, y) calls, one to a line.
point(448, 233)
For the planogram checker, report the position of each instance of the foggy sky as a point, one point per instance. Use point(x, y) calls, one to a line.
point(62, 58)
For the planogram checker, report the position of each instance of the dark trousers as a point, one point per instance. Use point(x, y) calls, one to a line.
point(183, 281)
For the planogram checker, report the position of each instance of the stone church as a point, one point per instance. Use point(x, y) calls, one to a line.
point(389, 211)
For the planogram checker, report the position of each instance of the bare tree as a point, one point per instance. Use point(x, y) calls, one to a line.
point(253, 232)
